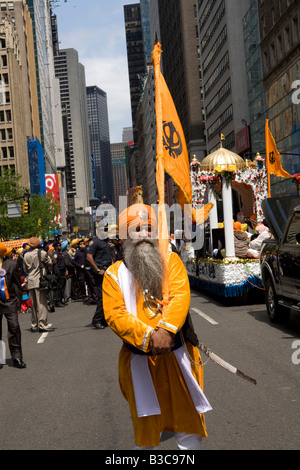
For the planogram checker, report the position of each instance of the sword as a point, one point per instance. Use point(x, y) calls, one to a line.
point(224, 364)
point(188, 333)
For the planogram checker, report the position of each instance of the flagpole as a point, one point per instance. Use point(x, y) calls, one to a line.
point(160, 170)
point(267, 156)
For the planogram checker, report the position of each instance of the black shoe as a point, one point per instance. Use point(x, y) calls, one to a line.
point(34, 330)
point(98, 325)
point(45, 330)
point(59, 304)
point(19, 363)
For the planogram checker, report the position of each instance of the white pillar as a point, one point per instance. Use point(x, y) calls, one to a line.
point(213, 215)
point(228, 218)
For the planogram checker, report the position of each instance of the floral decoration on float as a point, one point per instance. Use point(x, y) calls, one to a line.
point(230, 277)
point(226, 278)
point(252, 175)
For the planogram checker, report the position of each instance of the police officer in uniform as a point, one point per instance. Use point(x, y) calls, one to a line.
point(60, 270)
point(99, 257)
point(79, 262)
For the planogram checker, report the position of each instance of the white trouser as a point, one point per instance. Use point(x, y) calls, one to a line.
point(184, 442)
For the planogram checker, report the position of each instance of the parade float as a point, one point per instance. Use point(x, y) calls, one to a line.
point(214, 180)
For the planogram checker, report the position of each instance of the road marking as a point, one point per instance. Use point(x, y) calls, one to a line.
point(206, 317)
point(43, 337)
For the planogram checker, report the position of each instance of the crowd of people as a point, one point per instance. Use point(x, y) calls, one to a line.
point(121, 279)
point(126, 281)
point(73, 271)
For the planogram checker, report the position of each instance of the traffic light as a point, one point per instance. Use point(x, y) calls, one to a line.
point(25, 207)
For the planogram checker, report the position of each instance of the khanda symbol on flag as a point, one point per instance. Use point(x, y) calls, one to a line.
point(171, 140)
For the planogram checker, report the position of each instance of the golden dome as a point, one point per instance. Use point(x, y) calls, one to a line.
point(223, 158)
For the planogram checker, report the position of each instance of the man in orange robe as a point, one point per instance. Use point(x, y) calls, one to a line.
point(160, 374)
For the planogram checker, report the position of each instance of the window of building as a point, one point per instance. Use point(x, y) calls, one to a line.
point(11, 153)
point(3, 80)
point(4, 153)
point(3, 6)
point(3, 135)
point(273, 55)
point(279, 46)
point(295, 30)
point(4, 61)
point(287, 39)
point(10, 5)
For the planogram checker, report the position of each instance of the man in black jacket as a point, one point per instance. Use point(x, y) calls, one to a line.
point(10, 305)
point(79, 261)
point(60, 270)
point(99, 256)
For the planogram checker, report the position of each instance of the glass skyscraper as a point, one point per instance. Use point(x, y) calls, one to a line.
point(100, 142)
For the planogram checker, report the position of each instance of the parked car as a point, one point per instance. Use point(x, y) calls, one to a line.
point(280, 257)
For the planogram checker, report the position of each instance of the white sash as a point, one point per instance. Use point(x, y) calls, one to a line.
point(144, 391)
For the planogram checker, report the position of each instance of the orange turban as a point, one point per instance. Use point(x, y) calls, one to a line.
point(237, 227)
point(3, 249)
point(134, 216)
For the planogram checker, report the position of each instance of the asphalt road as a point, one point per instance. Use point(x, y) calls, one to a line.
point(68, 396)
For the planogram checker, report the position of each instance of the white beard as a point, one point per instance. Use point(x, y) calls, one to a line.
point(145, 263)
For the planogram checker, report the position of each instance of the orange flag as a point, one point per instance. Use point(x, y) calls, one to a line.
point(171, 145)
point(273, 158)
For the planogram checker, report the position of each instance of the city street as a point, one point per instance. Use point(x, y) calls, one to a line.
point(68, 397)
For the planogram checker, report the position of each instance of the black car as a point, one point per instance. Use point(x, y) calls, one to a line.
point(280, 257)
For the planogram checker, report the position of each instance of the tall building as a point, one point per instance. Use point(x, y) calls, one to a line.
point(146, 127)
point(79, 178)
point(127, 134)
point(13, 144)
point(256, 92)
point(47, 87)
point(145, 19)
point(181, 64)
point(280, 50)
point(118, 157)
point(19, 116)
point(223, 69)
point(100, 142)
point(135, 56)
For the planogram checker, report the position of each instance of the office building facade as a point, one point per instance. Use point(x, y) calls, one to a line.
point(180, 65)
point(100, 142)
point(280, 50)
point(135, 56)
point(223, 69)
point(118, 158)
point(79, 178)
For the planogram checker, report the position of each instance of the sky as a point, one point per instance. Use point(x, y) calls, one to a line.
point(96, 30)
